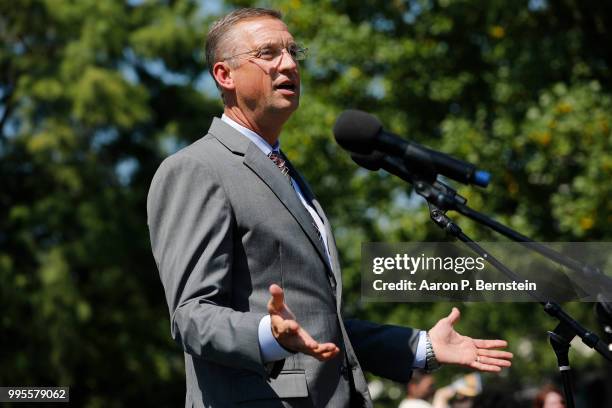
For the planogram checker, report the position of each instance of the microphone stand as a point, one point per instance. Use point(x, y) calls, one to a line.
point(440, 199)
point(451, 200)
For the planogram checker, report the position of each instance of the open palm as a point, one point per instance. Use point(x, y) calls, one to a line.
point(288, 332)
point(451, 347)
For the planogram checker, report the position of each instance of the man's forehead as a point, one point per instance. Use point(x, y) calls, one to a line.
point(263, 30)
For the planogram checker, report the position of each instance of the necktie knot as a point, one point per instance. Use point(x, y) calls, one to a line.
point(280, 163)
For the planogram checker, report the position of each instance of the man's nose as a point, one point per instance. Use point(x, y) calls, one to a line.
point(286, 62)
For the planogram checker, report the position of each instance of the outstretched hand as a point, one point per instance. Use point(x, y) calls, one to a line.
point(290, 334)
point(451, 347)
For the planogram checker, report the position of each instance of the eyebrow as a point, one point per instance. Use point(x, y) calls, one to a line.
point(271, 43)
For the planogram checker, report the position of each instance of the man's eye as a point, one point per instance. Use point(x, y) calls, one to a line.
point(266, 53)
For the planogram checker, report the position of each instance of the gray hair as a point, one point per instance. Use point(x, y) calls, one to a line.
point(220, 30)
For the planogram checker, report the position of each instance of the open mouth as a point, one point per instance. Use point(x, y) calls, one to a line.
point(287, 86)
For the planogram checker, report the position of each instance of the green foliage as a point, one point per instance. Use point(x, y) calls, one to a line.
point(93, 94)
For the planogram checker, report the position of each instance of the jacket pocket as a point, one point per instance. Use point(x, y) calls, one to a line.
point(288, 384)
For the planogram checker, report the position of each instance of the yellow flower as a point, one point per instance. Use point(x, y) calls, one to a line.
point(587, 222)
point(541, 137)
point(564, 107)
point(497, 32)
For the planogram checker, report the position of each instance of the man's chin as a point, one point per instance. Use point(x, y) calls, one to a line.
point(287, 106)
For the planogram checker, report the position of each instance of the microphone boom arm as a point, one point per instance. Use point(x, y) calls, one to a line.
point(441, 198)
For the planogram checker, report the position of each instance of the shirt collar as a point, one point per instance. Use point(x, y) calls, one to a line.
point(259, 141)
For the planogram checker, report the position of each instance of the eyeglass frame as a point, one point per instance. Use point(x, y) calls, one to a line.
point(299, 48)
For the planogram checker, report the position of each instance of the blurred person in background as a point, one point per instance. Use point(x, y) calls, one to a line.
point(549, 396)
point(419, 391)
point(495, 399)
point(459, 394)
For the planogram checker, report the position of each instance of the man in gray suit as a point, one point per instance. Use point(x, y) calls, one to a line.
point(238, 236)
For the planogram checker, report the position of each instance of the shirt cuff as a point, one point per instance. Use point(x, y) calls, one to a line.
point(270, 349)
point(420, 357)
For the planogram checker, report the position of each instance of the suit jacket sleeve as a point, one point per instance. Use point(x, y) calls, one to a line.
point(191, 229)
point(384, 350)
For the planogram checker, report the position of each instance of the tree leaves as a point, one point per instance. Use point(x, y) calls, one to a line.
point(87, 86)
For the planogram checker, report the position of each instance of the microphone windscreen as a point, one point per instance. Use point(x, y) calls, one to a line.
point(356, 131)
point(372, 161)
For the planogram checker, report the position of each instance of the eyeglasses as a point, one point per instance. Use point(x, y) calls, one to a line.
point(271, 53)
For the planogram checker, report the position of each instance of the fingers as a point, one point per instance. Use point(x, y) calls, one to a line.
point(494, 362)
point(325, 351)
point(293, 337)
point(290, 334)
point(485, 367)
point(305, 343)
point(290, 326)
point(453, 317)
point(495, 354)
point(494, 358)
point(277, 301)
point(283, 327)
point(320, 351)
point(487, 344)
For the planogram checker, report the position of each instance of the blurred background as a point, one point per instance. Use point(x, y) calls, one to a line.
point(95, 93)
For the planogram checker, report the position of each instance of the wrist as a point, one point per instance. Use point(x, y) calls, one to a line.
point(431, 362)
point(270, 349)
point(285, 348)
point(277, 338)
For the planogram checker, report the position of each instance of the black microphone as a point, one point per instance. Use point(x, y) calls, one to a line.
point(440, 193)
point(378, 160)
point(359, 132)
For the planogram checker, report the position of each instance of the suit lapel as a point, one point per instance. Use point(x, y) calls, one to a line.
point(333, 251)
point(269, 174)
point(267, 171)
point(310, 197)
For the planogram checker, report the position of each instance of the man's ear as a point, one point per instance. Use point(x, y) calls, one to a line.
point(222, 73)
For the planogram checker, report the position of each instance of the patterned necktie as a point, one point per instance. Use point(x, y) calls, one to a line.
point(282, 166)
point(280, 163)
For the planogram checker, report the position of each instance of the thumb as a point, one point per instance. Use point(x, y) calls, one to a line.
point(278, 298)
point(454, 315)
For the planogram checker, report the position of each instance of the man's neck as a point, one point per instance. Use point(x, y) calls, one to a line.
point(268, 131)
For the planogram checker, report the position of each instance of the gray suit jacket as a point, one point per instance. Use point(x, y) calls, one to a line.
point(224, 225)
